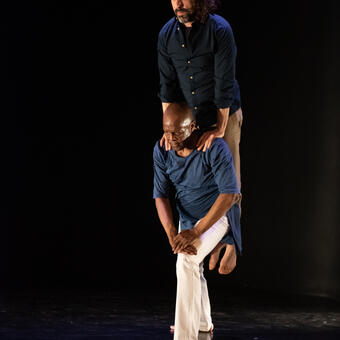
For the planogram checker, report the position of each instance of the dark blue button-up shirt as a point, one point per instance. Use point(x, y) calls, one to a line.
point(199, 68)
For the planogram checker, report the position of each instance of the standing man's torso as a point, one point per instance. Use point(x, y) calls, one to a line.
point(193, 57)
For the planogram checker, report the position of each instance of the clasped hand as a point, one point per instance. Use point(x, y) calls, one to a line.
point(183, 240)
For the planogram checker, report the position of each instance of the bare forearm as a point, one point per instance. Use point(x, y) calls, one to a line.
point(222, 204)
point(222, 118)
point(165, 215)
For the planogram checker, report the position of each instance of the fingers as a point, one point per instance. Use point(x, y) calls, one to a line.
point(179, 243)
point(180, 246)
point(201, 141)
point(166, 142)
point(189, 250)
point(192, 249)
point(162, 140)
point(205, 141)
point(183, 239)
point(208, 142)
point(167, 145)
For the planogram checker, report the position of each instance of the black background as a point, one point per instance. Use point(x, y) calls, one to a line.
point(80, 116)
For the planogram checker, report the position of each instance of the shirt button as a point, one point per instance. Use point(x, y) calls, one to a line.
point(195, 107)
point(188, 61)
point(177, 28)
point(193, 92)
point(182, 45)
point(191, 77)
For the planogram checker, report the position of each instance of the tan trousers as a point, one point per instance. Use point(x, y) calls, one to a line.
point(233, 138)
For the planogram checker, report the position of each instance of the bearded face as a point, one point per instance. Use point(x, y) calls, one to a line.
point(184, 10)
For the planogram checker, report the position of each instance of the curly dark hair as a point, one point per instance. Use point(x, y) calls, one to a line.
point(204, 7)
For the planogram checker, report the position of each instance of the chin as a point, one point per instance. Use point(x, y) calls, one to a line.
point(177, 147)
point(183, 19)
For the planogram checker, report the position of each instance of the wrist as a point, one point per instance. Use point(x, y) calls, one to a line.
point(171, 232)
point(219, 131)
point(197, 230)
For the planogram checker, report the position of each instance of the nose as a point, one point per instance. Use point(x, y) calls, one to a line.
point(179, 3)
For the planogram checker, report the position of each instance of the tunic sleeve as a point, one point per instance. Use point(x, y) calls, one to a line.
point(221, 162)
point(161, 181)
point(222, 165)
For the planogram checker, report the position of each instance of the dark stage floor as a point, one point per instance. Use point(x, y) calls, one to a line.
point(110, 315)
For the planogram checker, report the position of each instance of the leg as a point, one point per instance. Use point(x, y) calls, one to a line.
point(189, 301)
point(205, 321)
point(233, 137)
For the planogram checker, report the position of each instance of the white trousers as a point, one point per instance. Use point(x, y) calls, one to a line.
point(192, 301)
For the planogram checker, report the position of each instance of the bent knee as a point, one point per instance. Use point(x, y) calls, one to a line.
point(185, 260)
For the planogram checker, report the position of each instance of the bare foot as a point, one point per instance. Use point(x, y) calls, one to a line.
point(215, 255)
point(228, 261)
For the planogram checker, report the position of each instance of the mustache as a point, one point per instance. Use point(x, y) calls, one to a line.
point(181, 10)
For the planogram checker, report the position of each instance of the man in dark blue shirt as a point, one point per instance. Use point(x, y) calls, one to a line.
point(206, 192)
point(196, 59)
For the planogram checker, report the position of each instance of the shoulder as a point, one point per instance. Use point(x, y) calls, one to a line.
point(219, 22)
point(221, 27)
point(219, 143)
point(167, 29)
point(159, 153)
point(219, 147)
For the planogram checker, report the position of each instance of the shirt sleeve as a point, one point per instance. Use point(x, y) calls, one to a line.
point(224, 72)
point(229, 238)
point(169, 90)
point(221, 162)
point(161, 181)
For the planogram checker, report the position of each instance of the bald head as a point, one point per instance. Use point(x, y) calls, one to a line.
point(179, 113)
point(178, 124)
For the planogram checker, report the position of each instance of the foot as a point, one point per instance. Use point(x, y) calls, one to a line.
point(228, 261)
point(215, 255)
point(211, 330)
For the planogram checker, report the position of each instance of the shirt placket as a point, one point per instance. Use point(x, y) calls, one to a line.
point(186, 46)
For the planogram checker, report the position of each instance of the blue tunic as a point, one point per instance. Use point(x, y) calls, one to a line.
point(198, 180)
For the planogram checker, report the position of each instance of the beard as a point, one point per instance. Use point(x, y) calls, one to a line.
point(187, 16)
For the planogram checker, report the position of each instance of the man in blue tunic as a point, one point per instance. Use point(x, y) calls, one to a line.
point(206, 195)
point(196, 59)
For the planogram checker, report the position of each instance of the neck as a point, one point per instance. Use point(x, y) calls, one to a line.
point(188, 24)
point(184, 152)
